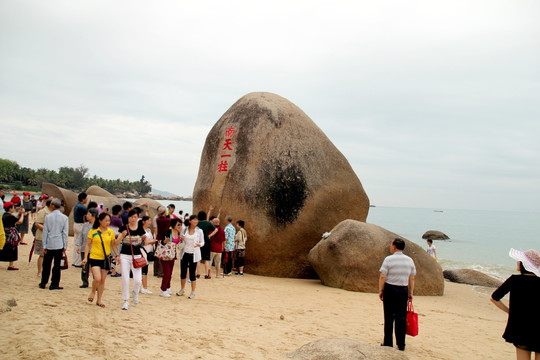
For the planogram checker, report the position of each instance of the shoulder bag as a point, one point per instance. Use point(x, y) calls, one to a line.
point(138, 262)
point(107, 257)
point(166, 252)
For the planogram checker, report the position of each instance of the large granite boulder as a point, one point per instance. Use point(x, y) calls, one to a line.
point(471, 277)
point(351, 256)
point(435, 235)
point(267, 163)
point(344, 349)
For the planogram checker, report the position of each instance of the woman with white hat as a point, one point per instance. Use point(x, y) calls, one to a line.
point(523, 328)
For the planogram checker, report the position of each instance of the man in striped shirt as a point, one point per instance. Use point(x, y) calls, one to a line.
point(396, 286)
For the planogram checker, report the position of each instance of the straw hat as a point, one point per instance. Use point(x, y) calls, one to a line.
point(530, 259)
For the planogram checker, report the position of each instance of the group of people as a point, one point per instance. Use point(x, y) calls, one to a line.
point(113, 242)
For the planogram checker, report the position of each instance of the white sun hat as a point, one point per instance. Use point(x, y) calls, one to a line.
point(530, 259)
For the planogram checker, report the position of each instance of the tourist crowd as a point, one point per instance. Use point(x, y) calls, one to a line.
point(123, 242)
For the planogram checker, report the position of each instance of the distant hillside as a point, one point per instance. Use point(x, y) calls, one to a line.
point(163, 193)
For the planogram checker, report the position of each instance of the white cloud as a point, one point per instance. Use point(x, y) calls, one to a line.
point(433, 103)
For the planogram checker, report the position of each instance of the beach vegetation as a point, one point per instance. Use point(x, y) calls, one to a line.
point(15, 177)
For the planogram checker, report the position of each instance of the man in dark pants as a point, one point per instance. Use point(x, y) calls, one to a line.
point(396, 286)
point(55, 241)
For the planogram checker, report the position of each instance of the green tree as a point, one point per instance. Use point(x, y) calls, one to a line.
point(9, 170)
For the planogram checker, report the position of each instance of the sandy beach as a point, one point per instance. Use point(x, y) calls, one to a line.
point(231, 318)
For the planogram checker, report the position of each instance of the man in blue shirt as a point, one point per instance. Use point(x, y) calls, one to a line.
point(79, 214)
point(230, 234)
point(55, 241)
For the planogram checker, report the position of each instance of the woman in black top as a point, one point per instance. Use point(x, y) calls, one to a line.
point(523, 327)
point(10, 252)
point(132, 237)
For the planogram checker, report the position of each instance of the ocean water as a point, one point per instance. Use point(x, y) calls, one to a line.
point(479, 239)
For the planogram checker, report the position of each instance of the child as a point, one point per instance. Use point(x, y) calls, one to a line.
point(431, 250)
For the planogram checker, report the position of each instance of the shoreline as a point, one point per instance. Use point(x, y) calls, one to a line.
point(232, 317)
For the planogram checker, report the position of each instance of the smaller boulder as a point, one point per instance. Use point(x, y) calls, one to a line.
point(435, 235)
point(344, 349)
point(471, 277)
point(351, 256)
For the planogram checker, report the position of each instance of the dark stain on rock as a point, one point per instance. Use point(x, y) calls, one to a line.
point(286, 192)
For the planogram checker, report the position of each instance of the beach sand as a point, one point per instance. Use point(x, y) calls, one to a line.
point(230, 318)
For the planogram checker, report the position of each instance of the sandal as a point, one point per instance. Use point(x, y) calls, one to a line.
point(90, 299)
point(198, 276)
point(207, 277)
point(100, 305)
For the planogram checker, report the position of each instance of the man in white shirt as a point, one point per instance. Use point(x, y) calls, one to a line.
point(396, 287)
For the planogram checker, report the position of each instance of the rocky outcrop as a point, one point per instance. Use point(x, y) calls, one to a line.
point(98, 191)
point(471, 277)
point(67, 196)
point(344, 349)
point(267, 163)
point(435, 235)
point(107, 199)
point(351, 256)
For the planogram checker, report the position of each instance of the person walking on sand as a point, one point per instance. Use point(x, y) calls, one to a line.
point(148, 248)
point(79, 212)
point(431, 249)
point(162, 223)
point(55, 242)
point(241, 238)
point(10, 251)
point(523, 312)
point(193, 239)
point(101, 242)
point(38, 240)
point(80, 243)
point(396, 287)
point(171, 236)
point(131, 237)
point(23, 227)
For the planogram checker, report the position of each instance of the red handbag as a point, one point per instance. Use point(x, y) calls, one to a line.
point(138, 262)
point(412, 320)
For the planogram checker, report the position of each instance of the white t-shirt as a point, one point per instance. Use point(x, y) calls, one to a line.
point(149, 237)
point(431, 251)
point(189, 241)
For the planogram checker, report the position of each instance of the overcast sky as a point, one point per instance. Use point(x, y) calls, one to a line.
point(435, 104)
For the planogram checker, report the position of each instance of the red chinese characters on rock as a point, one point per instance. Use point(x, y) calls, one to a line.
point(223, 166)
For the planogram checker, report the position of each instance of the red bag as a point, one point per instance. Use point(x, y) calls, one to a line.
point(412, 320)
point(138, 262)
point(64, 262)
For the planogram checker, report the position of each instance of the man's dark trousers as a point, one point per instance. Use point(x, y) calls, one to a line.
point(51, 255)
point(395, 310)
